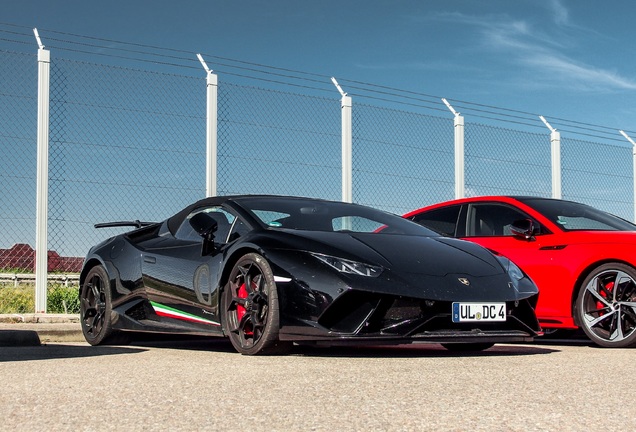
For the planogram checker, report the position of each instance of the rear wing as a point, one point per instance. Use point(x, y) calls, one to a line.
point(135, 223)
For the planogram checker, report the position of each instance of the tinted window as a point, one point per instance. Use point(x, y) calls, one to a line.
point(443, 220)
point(239, 228)
point(223, 219)
point(571, 216)
point(319, 215)
point(489, 220)
point(355, 224)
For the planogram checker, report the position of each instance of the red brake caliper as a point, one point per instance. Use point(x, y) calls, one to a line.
point(609, 287)
point(240, 309)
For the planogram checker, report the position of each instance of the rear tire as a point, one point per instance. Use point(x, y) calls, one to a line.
point(250, 311)
point(606, 306)
point(96, 307)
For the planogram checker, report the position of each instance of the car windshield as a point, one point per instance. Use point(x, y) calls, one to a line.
point(571, 216)
point(318, 215)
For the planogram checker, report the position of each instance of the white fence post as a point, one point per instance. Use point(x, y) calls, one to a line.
point(628, 138)
point(42, 188)
point(211, 138)
point(347, 159)
point(460, 168)
point(555, 150)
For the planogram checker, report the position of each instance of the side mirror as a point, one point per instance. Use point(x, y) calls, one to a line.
point(523, 228)
point(205, 225)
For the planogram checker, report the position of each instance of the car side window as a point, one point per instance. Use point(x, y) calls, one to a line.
point(239, 228)
point(492, 220)
point(442, 220)
point(223, 218)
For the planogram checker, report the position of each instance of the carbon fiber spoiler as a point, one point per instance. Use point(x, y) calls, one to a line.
point(135, 223)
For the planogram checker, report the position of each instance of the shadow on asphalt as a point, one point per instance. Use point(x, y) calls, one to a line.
point(220, 345)
point(419, 350)
point(60, 351)
point(223, 345)
point(184, 342)
point(541, 345)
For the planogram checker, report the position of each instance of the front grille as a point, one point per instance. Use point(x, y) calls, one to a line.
point(367, 314)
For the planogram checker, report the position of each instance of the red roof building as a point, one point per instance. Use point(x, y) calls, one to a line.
point(21, 257)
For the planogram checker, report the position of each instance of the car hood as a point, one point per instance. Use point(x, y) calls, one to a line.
point(432, 256)
point(434, 268)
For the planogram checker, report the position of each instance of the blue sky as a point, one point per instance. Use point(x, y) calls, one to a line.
point(568, 59)
point(562, 59)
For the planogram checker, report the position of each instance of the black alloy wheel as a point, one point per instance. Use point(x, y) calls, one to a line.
point(250, 308)
point(95, 306)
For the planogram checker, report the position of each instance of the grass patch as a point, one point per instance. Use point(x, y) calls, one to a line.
point(21, 299)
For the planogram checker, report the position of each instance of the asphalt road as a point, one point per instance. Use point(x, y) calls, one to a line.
point(204, 385)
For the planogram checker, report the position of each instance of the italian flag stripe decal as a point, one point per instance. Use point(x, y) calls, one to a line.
point(167, 311)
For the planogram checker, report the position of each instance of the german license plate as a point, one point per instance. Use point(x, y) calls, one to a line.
point(471, 312)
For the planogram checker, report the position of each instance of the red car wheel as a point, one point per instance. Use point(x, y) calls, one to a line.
point(606, 306)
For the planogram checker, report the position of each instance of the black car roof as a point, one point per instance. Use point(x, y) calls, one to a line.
point(175, 221)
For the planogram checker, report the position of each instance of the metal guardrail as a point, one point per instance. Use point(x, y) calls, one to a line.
point(18, 278)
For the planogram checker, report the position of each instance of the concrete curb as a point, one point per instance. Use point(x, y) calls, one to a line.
point(39, 318)
point(35, 329)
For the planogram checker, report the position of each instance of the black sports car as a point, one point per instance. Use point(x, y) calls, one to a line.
point(270, 271)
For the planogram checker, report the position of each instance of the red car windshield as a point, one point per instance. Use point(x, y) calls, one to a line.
point(571, 216)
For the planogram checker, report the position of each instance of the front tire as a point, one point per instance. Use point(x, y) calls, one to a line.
point(606, 306)
point(250, 308)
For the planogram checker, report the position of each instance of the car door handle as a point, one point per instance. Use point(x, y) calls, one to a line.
point(150, 259)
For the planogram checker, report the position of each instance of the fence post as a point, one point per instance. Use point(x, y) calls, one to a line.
point(211, 137)
point(628, 138)
point(347, 160)
point(42, 187)
point(459, 152)
point(555, 150)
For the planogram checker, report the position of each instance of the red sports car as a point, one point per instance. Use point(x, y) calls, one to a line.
point(582, 259)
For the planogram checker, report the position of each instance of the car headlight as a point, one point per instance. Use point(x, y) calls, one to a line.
point(515, 273)
point(348, 266)
point(518, 279)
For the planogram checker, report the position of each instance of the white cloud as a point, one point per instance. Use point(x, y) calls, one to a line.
point(546, 47)
point(561, 14)
point(521, 43)
point(580, 74)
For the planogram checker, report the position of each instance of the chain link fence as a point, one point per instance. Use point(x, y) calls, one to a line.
point(506, 162)
point(601, 175)
point(18, 131)
point(273, 142)
point(124, 145)
point(129, 144)
point(401, 160)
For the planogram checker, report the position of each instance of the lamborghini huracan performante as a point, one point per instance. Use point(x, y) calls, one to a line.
point(270, 271)
point(581, 258)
